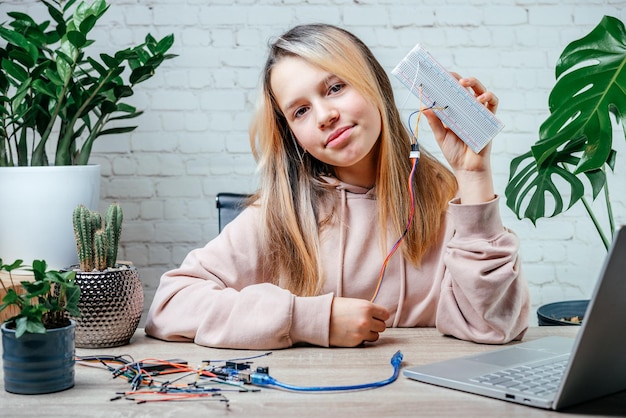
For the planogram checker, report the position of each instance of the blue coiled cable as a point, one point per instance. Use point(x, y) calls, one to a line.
point(264, 379)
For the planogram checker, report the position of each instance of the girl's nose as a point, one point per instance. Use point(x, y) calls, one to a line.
point(328, 115)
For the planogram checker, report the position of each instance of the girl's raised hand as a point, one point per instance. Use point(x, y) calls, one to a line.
point(473, 171)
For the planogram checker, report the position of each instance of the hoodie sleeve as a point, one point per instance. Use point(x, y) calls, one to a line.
point(484, 297)
point(220, 297)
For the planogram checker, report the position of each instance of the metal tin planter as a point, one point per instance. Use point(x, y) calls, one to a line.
point(38, 363)
point(111, 304)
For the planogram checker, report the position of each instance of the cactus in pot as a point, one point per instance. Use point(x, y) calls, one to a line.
point(111, 293)
point(97, 244)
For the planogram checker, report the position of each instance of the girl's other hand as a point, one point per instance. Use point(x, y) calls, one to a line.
point(354, 321)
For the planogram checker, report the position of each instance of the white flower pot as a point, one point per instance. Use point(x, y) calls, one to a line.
point(36, 211)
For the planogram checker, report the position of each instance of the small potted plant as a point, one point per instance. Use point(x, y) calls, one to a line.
point(111, 301)
point(574, 149)
point(38, 341)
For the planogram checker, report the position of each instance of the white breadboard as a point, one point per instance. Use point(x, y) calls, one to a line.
point(455, 105)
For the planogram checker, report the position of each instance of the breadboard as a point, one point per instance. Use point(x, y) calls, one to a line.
point(455, 105)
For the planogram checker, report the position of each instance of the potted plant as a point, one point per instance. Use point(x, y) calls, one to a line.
point(38, 341)
point(58, 97)
point(575, 141)
point(111, 301)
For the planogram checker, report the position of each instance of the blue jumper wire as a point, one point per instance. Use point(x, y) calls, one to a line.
point(264, 379)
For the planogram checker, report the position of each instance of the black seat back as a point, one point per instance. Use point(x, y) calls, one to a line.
point(229, 205)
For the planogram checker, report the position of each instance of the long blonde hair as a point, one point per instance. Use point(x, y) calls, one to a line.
point(291, 188)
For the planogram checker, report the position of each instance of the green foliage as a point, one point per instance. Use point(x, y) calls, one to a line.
point(47, 301)
point(575, 142)
point(97, 244)
point(48, 81)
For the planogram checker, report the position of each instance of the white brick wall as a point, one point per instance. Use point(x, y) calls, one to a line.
point(192, 140)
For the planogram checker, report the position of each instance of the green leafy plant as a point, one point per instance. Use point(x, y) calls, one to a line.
point(44, 303)
point(575, 144)
point(50, 87)
point(97, 243)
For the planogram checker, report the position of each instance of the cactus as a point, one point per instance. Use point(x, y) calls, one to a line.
point(97, 245)
point(113, 230)
point(96, 220)
point(83, 234)
point(100, 250)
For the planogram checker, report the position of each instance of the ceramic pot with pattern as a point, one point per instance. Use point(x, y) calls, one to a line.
point(111, 304)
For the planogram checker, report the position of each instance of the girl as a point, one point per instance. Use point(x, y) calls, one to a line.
point(309, 261)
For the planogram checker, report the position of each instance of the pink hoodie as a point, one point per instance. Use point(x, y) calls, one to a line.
point(469, 284)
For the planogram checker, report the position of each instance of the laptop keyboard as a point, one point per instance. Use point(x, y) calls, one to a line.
point(535, 380)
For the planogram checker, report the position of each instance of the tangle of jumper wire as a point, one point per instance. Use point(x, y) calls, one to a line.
point(146, 389)
point(414, 161)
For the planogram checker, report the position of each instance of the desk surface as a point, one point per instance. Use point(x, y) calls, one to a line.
point(302, 366)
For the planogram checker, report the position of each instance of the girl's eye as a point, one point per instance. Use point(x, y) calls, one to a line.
point(299, 112)
point(335, 88)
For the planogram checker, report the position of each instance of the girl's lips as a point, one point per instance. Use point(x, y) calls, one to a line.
point(336, 134)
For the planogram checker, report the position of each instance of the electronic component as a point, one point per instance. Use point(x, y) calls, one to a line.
point(451, 102)
point(230, 370)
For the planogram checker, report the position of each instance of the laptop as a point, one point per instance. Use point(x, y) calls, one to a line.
point(588, 367)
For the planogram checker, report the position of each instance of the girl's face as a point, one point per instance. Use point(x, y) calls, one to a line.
point(329, 118)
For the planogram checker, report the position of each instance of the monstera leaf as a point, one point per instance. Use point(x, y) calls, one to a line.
point(575, 141)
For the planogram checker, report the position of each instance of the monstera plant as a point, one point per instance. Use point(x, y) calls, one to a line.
point(575, 145)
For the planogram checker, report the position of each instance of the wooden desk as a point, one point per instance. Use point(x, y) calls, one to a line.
point(301, 366)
